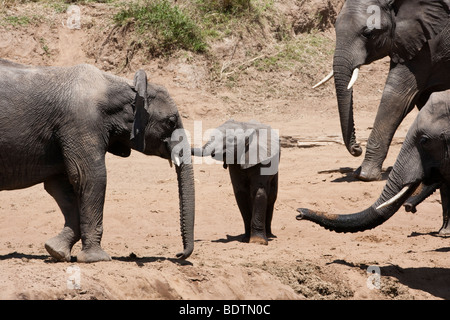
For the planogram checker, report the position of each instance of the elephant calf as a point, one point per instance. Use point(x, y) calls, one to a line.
point(251, 152)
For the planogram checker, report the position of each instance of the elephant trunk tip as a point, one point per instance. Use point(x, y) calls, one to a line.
point(409, 207)
point(301, 214)
point(185, 254)
point(355, 150)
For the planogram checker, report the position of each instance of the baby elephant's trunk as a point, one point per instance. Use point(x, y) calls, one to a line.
point(197, 152)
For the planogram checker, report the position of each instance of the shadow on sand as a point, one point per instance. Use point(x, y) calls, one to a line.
point(435, 281)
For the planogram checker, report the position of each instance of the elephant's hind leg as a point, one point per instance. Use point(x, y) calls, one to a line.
point(445, 197)
point(272, 197)
point(61, 190)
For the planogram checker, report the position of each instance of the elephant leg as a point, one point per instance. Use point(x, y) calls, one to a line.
point(258, 225)
point(397, 101)
point(242, 194)
point(62, 191)
point(88, 177)
point(445, 198)
point(272, 197)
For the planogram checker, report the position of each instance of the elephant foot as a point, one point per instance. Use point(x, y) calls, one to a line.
point(59, 247)
point(365, 173)
point(94, 254)
point(445, 230)
point(58, 250)
point(259, 240)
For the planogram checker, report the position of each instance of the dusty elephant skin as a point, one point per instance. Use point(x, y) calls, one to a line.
point(415, 34)
point(423, 160)
point(57, 123)
point(251, 152)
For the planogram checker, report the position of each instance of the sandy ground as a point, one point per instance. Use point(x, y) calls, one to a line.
point(304, 261)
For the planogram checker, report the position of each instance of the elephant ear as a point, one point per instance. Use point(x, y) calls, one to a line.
point(141, 115)
point(263, 146)
point(416, 22)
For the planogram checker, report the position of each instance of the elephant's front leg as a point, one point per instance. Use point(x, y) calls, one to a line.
point(241, 191)
point(397, 101)
point(445, 198)
point(62, 191)
point(258, 224)
point(88, 176)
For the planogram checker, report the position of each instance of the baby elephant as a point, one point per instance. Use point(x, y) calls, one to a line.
point(251, 151)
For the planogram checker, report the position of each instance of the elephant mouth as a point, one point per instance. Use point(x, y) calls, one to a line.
point(174, 152)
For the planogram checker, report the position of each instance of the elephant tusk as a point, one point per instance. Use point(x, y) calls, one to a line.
point(395, 198)
point(328, 77)
point(177, 161)
point(353, 79)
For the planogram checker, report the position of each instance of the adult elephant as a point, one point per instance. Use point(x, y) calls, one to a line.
point(416, 35)
point(56, 125)
point(424, 160)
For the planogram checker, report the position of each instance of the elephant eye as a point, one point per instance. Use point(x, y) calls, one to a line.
point(368, 33)
point(424, 140)
point(171, 121)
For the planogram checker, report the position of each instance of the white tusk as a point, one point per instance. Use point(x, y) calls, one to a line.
point(328, 77)
point(395, 198)
point(353, 79)
point(177, 161)
point(170, 163)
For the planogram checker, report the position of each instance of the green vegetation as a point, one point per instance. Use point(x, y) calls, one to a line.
point(255, 34)
point(17, 20)
point(221, 18)
point(302, 50)
point(162, 27)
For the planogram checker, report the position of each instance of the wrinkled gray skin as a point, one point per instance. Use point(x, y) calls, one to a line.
point(56, 125)
point(255, 190)
point(424, 160)
point(416, 35)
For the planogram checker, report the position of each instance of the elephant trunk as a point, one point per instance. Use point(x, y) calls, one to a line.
point(344, 77)
point(361, 221)
point(207, 150)
point(405, 177)
point(186, 192)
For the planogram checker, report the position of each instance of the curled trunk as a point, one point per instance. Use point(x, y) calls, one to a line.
point(342, 77)
point(425, 192)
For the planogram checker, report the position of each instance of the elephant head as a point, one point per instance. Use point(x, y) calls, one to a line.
point(368, 30)
point(424, 159)
point(158, 130)
point(243, 143)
